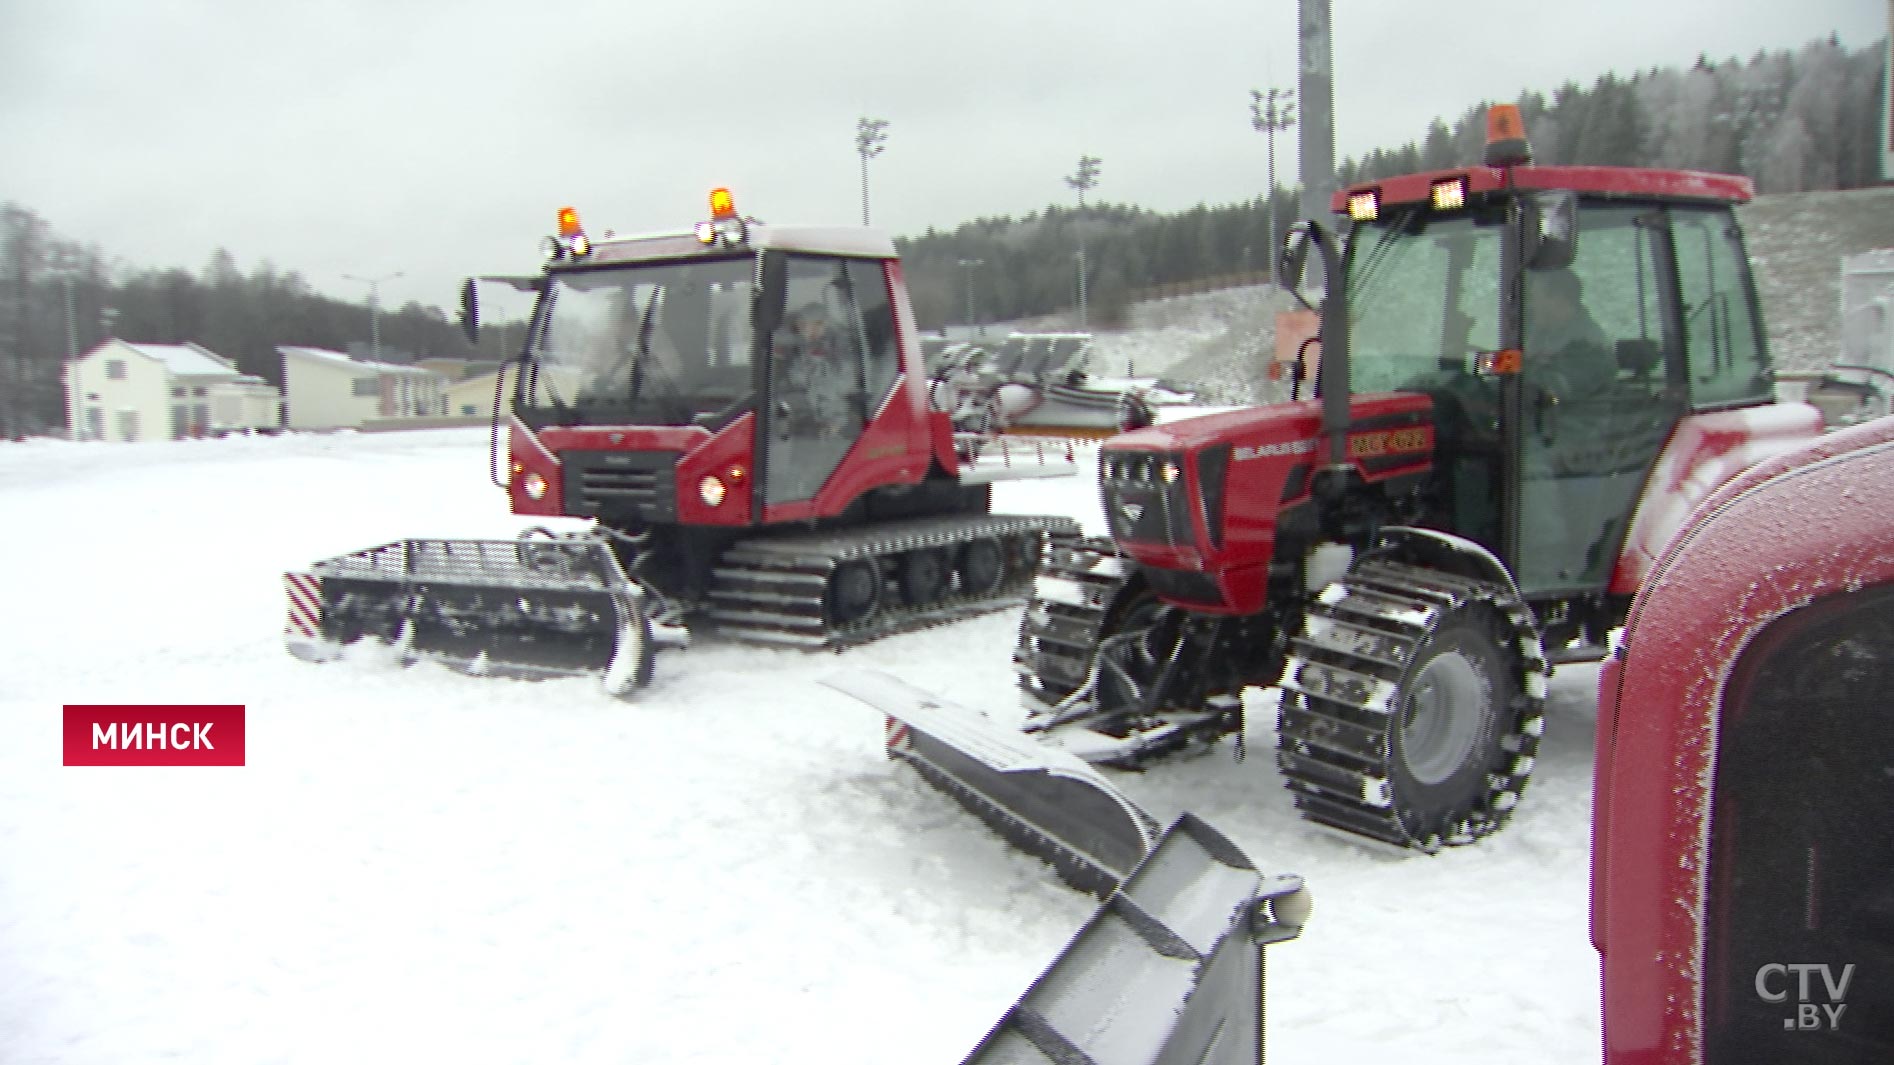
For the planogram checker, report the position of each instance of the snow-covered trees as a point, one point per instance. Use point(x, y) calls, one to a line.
point(1791, 121)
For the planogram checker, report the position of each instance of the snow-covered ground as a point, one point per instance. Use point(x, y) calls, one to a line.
point(420, 866)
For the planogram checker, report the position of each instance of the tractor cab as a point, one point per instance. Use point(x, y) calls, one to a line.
point(770, 349)
point(1564, 320)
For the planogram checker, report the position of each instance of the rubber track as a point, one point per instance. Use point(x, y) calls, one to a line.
point(774, 589)
point(1340, 688)
point(1057, 638)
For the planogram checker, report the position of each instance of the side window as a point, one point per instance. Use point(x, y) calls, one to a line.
point(881, 353)
point(820, 316)
point(1728, 362)
point(1597, 323)
point(1800, 842)
point(729, 339)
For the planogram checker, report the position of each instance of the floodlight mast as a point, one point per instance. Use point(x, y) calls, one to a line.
point(1086, 178)
point(870, 137)
point(968, 265)
point(374, 308)
point(1271, 113)
point(1315, 96)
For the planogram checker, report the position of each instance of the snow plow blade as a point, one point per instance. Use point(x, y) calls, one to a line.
point(506, 607)
point(1046, 802)
point(1168, 970)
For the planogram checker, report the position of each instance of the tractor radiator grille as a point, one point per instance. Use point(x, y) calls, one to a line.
point(640, 485)
point(1145, 498)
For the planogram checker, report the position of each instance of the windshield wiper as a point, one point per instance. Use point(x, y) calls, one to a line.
point(643, 350)
point(642, 356)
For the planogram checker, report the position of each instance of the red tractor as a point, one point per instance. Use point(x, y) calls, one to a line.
point(1741, 904)
point(742, 410)
point(1527, 378)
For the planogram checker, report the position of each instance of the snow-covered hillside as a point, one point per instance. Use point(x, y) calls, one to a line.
point(420, 866)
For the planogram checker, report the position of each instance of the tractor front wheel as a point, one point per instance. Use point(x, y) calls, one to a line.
point(1447, 723)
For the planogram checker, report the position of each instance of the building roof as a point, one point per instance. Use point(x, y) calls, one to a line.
point(362, 366)
point(184, 360)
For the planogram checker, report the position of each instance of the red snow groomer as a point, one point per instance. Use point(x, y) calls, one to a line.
point(1527, 377)
point(742, 410)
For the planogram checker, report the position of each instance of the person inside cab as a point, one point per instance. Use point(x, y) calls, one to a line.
point(811, 353)
point(1566, 349)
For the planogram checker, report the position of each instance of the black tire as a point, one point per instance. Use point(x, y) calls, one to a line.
point(982, 566)
point(922, 576)
point(1451, 717)
point(633, 655)
point(854, 592)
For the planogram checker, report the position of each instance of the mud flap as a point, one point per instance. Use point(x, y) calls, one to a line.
point(1169, 969)
point(1046, 802)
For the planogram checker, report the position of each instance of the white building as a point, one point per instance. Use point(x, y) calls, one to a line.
point(329, 390)
point(125, 392)
point(472, 397)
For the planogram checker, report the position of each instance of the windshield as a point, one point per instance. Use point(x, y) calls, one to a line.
point(648, 344)
point(1423, 297)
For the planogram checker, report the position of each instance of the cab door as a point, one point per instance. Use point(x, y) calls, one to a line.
point(1601, 389)
point(815, 410)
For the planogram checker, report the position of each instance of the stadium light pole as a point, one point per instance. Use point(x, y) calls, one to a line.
point(870, 136)
point(64, 267)
point(374, 309)
point(1271, 113)
point(968, 265)
point(72, 321)
point(1086, 178)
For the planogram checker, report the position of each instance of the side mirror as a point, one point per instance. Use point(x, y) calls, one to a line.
point(1551, 224)
point(470, 311)
point(1293, 261)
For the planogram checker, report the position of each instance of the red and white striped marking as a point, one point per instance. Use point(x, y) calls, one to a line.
point(305, 605)
point(896, 736)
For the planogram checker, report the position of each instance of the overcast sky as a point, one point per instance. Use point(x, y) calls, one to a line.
point(437, 138)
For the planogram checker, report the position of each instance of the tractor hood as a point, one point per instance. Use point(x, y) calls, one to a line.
point(1198, 502)
point(1280, 429)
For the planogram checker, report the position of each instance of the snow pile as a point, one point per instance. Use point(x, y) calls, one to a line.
point(418, 865)
point(1796, 244)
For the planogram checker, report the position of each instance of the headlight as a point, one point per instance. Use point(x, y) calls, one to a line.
point(1169, 471)
point(711, 490)
point(535, 486)
point(1450, 195)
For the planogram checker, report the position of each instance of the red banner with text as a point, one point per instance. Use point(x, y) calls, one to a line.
point(154, 735)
